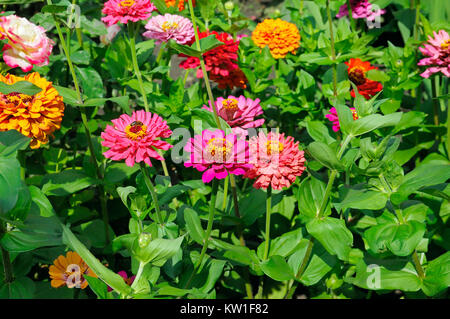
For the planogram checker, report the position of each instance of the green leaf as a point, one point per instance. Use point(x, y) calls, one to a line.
point(23, 87)
point(158, 251)
point(91, 82)
point(358, 197)
point(333, 235)
point(117, 172)
point(345, 116)
point(310, 195)
point(12, 141)
point(193, 225)
point(319, 132)
point(209, 43)
point(208, 120)
point(23, 204)
point(369, 123)
point(184, 49)
point(20, 288)
point(69, 96)
point(97, 286)
point(66, 182)
point(437, 275)
point(53, 8)
point(277, 268)
point(325, 155)
point(10, 183)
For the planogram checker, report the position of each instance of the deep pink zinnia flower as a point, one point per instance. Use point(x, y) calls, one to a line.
point(238, 112)
point(361, 9)
point(438, 51)
point(128, 281)
point(217, 155)
point(277, 160)
point(135, 138)
point(170, 26)
point(333, 117)
point(127, 10)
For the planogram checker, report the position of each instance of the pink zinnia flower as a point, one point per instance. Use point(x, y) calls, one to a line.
point(333, 117)
point(217, 155)
point(438, 51)
point(170, 26)
point(361, 9)
point(135, 138)
point(238, 112)
point(278, 161)
point(27, 45)
point(124, 275)
point(127, 10)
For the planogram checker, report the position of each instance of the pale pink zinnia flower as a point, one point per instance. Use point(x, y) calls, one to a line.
point(127, 10)
point(170, 26)
point(135, 138)
point(277, 160)
point(361, 9)
point(333, 117)
point(438, 51)
point(217, 155)
point(238, 112)
point(27, 45)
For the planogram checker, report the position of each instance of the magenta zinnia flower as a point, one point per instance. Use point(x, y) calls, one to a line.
point(333, 117)
point(217, 155)
point(438, 51)
point(124, 275)
point(170, 26)
point(135, 138)
point(277, 160)
point(238, 112)
point(361, 9)
point(127, 10)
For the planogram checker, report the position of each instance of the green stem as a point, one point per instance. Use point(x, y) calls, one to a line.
point(434, 94)
point(138, 275)
point(212, 211)
point(151, 189)
point(350, 16)
point(268, 213)
point(7, 266)
point(225, 192)
point(132, 35)
point(417, 20)
point(417, 264)
point(301, 269)
point(333, 50)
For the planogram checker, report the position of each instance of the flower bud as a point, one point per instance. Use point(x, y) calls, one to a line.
point(229, 5)
point(277, 13)
point(144, 240)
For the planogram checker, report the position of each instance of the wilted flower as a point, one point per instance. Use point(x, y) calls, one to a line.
point(437, 51)
point(217, 155)
point(70, 271)
point(357, 70)
point(124, 11)
point(36, 116)
point(277, 160)
point(333, 117)
point(169, 26)
point(281, 36)
point(27, 45)
point(135, 138)
point(361, 9)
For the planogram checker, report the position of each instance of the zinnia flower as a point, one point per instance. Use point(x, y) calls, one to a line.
point(236, 78)
point(437, 51)
point(333, 117)
point(172, 3)
point(217, 155)
point(128, 281)
point(361, 9)
point(277, 160)
point(169, 26)
point(281, 36)
point(36, 116)
point(357, 70)
point(127, 10)
point(238, 112)
point(27, 45)
point(135, 138)
point(70, 271)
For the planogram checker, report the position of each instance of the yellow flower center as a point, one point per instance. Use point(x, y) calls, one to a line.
point(445, 44)
point(126, 3)
point(357, 76)
point(16, 98)
point(136, 130)
point(355, 115)
point(168, 26)
point(230, 104)
point(274, 147)
point(219, 149)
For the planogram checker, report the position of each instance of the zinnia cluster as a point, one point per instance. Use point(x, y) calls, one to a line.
point(333, 117)
point(280, 36)
point(220, 62)
point(70, 271)
point(169, 26)
point(437, 50)
point(124, 11)
point(277, 160)
point(36, 116)
point(27, 44)
point(357, 70)
point(361, 9)
point(136, 138)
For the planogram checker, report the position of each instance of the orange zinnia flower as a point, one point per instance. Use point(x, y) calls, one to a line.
point(357, 70)
point(36, 116)
point(281, 36)
point(172, 3)
point(70, 271)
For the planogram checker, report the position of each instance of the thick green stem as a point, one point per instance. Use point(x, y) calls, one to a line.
point(417, 264)
point(350, 16)
point(225, 192)
point(132, 35)
point(268, 213)
point(138, 275)
point(435, 94)
point(151, 189)
point(302, 268)
point(7, 266)
point(333, 50)
point(212, 211)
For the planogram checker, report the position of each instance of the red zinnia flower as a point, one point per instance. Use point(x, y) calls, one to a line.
point(357, 70)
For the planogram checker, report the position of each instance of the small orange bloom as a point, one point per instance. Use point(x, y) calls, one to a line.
point(172, 3)
point(70, 271)
point(357, 70)
point(281, 36)
point(36, 116)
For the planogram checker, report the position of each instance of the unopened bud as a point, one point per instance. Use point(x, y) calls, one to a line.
point(277, 13)
point(144, 239)
point(229, 5)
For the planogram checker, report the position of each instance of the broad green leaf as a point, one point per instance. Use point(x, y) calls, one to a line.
point(437, 275)
point(158, 251)
point(12, 141)
point(209, 43)
point(319, 132)
point(277, 268)
point(310, 195)
point(98, 287)
point(20, 288)
point(66, 182)
point(372, 122)
point(184, 49)
point(10, 183)
point(193, 225)
point(325, 155)
point(117, 172)
point(209, 121)
point(358, 197)
point(23, 87)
